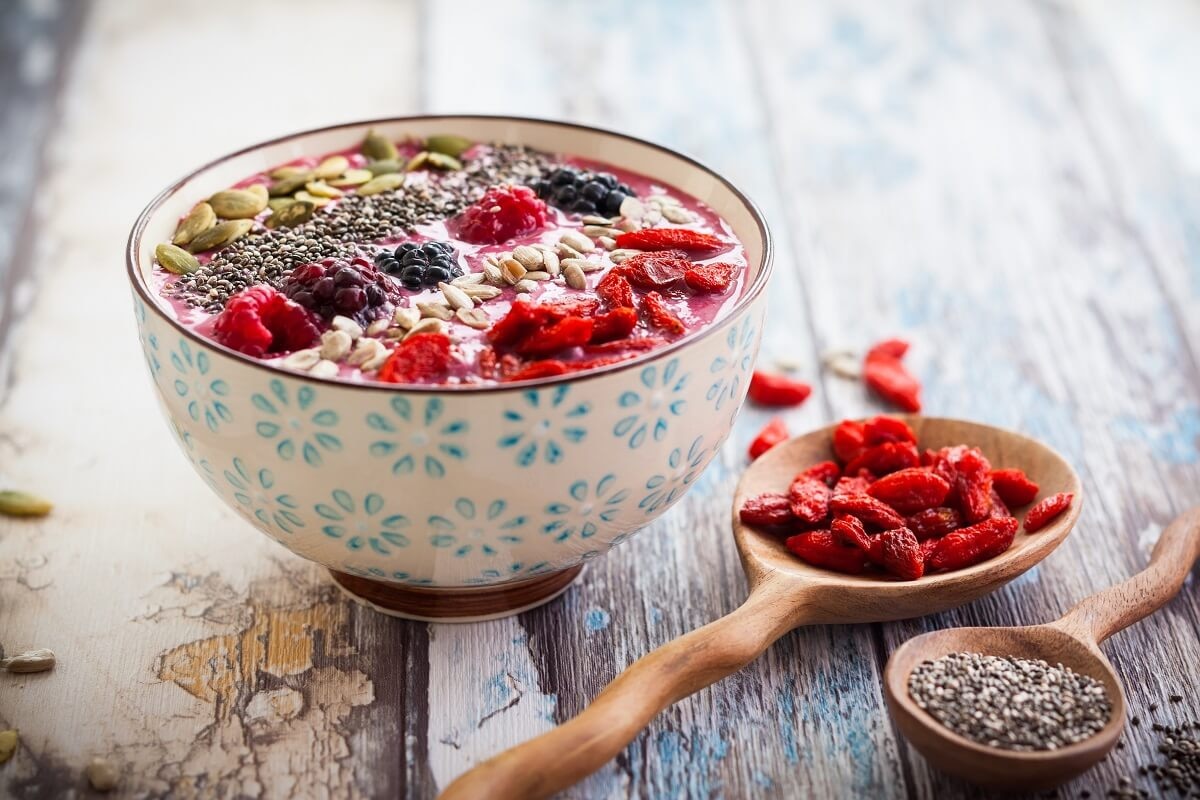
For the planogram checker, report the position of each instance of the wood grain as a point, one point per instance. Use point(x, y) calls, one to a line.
point(1013, 186)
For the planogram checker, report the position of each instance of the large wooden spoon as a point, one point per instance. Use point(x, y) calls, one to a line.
point(784, 594)
point(1072, 641)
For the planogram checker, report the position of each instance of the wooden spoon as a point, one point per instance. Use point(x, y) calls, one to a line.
point(1072, 641)
point(784, 594)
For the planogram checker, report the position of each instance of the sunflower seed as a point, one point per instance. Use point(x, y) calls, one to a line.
point(607, 242)
point(537, 275)
point(353, 177)
point(601, 230)
point(349, 326)
point(384, 167)
point(302, 360)
point(286, 186)
point(456, 297)
point(525, 287)
point(294, 213)
point(843, 363)
point(578, 242)
point(321, 189)
point(592, 219)
point(574, 276)
point(289, 171)
point(378, 326)
point(366, 350)
point(29, 661)
point(304, 196)
point(176, 259)
point(382, 183)
point(551, 263)
point(335, 345)
point(428, 325)
point(470, 279)
point(622, 253)
point(324, 369)
point(493, 274)
point(448, 144)
point(406, 317)
point(677, 214)
point(396, 333)
point(653, 217)
point(788, 363)
point(473, 317)
point(198, 220)
point(627, 224)
point(378, 147)
point(8, 744)
point(331, 167)
point(443, 161)
point(632, 207)
point(220, 235)
point(237, 204)
point(583, 264)
point(565, 250)
point(378, 361)
point(102, 775)
point(512, 271)
point(435, 310)
point(529, 258)
point(482, 292)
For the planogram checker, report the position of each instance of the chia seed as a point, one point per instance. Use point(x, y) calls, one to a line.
point(1010, 703)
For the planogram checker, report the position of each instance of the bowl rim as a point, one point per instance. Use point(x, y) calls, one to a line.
point(749, 295)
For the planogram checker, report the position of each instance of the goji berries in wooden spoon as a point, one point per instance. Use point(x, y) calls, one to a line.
point(785, 593)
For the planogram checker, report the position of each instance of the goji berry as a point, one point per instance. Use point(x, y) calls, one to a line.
point(888, 348)
point(772, 508)
point(772, 434)
point(422, 356)
point(900, 554)
point(999, 508)
point(927, 549)
point(849, 440)
point(523, 318)
point(768, 389)
point(973, 485)
point(616, 324)
point(910, 490)
point(849, 531)
point(941, 463)
point(623, 345)
point(934, 522)
point(711, 278)
point(615, 290)
point(882, 459)
point(692, 242)
point(868, 509)
point(979, 542)
point(545, 368)
point(574, 305)
point(854, 484)
point(1014, 486)
point(810, 499)
point(878, 430)
point(654, 270)
point(826, 471)
point(886, 375)
point(819, 549)
point(566, 333)
point(1041, 514)
point(658, 315)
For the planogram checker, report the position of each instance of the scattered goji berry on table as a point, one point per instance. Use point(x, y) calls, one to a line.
point(968, 546)
point(910, 490)
point(886, 375)
point(819, 549)
point(888, 348)
point(810, 499)
point(767, 509)
point(934, 522)
point(900, 554)
point(772, 434)
point(871, 511)
point(1041, 514)
point(768, 389)
point(1014, 486)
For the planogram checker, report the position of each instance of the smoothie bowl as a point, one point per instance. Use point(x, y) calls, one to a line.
point(450, 358)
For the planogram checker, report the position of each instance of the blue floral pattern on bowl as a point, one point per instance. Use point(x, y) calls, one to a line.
point(294, 426)
point(203, 395)
point(465, 530)
point(379, 573)
point(683, 468)
point(650, 409)
point(543, 424)
point(257, 496)
point(423, 439)
point(364, 524)
point(729, 370)
point(586, 506)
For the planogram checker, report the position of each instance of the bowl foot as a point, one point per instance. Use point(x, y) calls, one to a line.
point(456, 604)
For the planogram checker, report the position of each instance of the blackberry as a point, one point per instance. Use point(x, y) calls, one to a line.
point(352, 289)
point(416, 265)
point(581, 192)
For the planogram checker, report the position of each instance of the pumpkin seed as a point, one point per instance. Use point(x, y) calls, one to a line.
point(8, 744)
point(306, 197)
point(288, 171)
point(294, 213)
point(378, 147)
point(220, 235)
point(198, 220)
point(331, 167)
point(176, 259)
point(382, 183)
point(258, 190)
point(417, 161)
point(30, 661)
point(102, 775)
point(288, 185)
point(276, 203)
point(237, 204)
point(353, 177)
point(23, 504)
point(448, 144)
point(385, 166)
point(473, 317)
point(322, 189)
point(443, 161)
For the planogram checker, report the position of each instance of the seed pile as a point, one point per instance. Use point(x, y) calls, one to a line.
point(1010, 703)
point(1180, 767)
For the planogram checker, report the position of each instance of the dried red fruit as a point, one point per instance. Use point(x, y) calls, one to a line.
point(767, 509)
point(692, 242)
point(616, 324)
point(886, 375)
point(849, 530)
point(259, 321)
point(878, 430)
point(849, 440)
point(910, 490)
point(825, 471)
point(854, 484)
point(768, 389)
point(564, 334)
point(1014, 486)
point(545, 368)
point(819, 549)
point(420, 357)
point(654, 270)
point(941, 463)
point(900, 554)
point(711, 278)
point(503, 213)
point(927, 549)
point(615, 290)
point(658, 315)
point(871, 511)
point(933, 523)
point(623, 345)
point(575, 305)
point(772, 434)
point(882, 459)
point(1041, 514)
point(888, 348)
point(488, 363)
point(973, 485)
point(967, 546)
point(523, 318)
point(999, 507)
point(810, 499)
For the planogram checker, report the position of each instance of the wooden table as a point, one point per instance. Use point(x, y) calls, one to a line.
point(1015, 187)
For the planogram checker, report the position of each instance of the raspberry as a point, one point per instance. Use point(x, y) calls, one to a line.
point(711, 278)
point(658, 315)
point(809, 497)
point(933, 523)
point(1014, 486)
point(878, 430)
point(616, 324)
point(562, 334)
point(772, 434)
point(331, 288)
point(882, 459)
point(767, 509)
point(967, 546)
point(691, 242)
point(1040, 515)
point(583, 192)
point(503, 213)
point(259, 320)
point(615, 290)
point(849, 440)
point(868, 509)
point(420, 357)
point(655, 270)
point(417, 265)
point(777, 390)
point(821, 550)
point(910, 490)
point(900, 554)
point(886, 375)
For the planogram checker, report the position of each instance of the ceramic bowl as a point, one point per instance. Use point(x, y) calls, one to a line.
point(440, 502)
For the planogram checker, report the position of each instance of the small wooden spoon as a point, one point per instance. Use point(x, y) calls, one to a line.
point(784, 594)
point(1072, 641)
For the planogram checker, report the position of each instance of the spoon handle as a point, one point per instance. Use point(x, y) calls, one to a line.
point(1117, 607)
point(572, 751)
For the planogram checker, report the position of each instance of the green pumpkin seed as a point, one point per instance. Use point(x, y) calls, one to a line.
point(220, 235)
point(382, 183)
point(417, 161)
point(198, 220)
point(378, 147)
point(331, 167)
point(306, 197)
point(385, 167)
point(294, 213)
point(353, 177)
point(288, 185)
point(8, 744)
point(443, 161)
point(176, 259)
point(23, 504)
point(259, 190)
point(321, 189)
point(448, 144)
point(276, 203)
point(237, 204)
point(289, 171)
